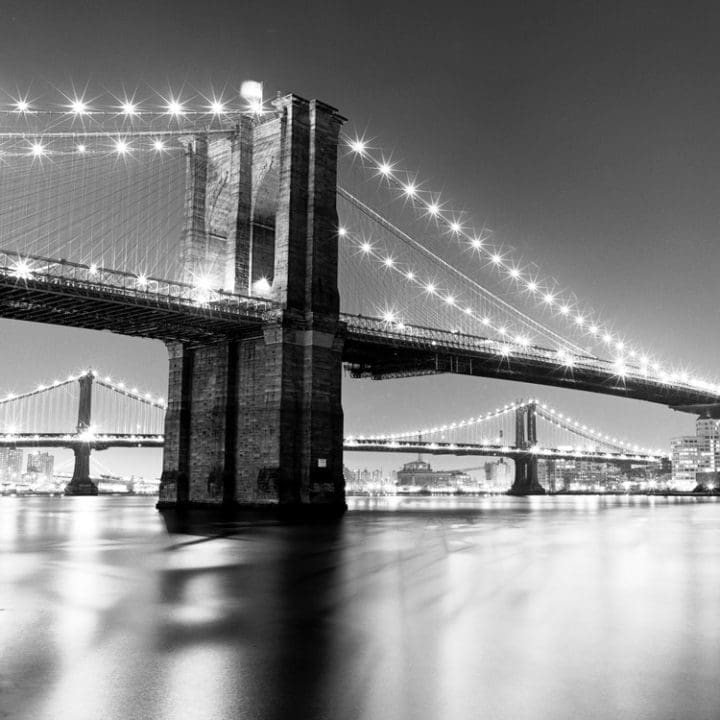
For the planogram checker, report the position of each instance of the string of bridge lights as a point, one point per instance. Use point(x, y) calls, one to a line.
point(545, 411)
point(117, 385)
point(78, 109)
point(77, 106)
point(436, 259)
point(498, 412)
point(543, 291)
point(510, 343)
point(429, 288)
point(550, 414)
point(123, 146)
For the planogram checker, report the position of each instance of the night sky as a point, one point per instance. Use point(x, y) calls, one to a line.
point(586, 135)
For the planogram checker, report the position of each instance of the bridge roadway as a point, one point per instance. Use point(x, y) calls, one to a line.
point(362, 444)
point(72, 294)
point(103, 442)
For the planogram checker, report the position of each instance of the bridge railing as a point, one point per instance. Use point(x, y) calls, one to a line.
point(50, 270)
point(434, 339)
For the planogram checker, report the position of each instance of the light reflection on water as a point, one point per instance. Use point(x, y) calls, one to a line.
point(562, 607)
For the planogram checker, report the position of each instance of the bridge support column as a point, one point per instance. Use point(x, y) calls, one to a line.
point(526, 477)
point(256, 421)
point(80, 483)
point(526, 465)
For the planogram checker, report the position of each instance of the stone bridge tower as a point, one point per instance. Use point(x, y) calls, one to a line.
point(257, 421)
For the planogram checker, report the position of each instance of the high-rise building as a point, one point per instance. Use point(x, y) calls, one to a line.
point(684, 462)
point(708, 436)
point(41, 464)
point(10, 464)
point(696, 458)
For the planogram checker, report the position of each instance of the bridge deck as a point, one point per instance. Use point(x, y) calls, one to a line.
point(76, 295)
point(375, 349)
point(71, 294)
point(489, 450)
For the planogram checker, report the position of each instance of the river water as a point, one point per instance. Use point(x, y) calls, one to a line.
point(552, 608)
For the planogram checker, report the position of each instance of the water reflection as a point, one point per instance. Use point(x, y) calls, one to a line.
point(597, 607)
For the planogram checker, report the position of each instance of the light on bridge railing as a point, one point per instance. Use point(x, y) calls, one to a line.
point(158, 145)
point(82, 149)
point(128, 108)
point(37, 149)
point(21, 269)
point(203, 282)
point(22, 106)
point(87, 434)
point(217, 107)
point(262, 287)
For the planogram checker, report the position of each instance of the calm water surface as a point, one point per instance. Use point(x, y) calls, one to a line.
point(416, 608)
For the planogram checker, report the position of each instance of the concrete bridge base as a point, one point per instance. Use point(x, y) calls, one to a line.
point(80, 483)
point(526, 478)
point(81, 487)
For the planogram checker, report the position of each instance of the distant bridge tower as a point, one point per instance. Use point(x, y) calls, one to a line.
point(526, 465)
point(257, 421)
point(81, 484)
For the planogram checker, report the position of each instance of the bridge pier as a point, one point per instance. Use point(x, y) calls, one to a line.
point(526, 477)
point(80, 483)
point(256, 422)
point(526, 464)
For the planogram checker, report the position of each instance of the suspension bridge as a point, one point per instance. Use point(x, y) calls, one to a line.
point(513, 431)
point(82, 412)
point(268, 249)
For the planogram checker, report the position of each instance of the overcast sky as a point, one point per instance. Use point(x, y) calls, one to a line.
point(585, 134)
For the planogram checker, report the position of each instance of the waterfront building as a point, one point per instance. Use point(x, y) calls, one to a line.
point(367, 482)
point(419, 473)
point(708, 437)
point(696, 459)
point(10, 464)
point(498, 475)
point(40, 464)
point(684, 462)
